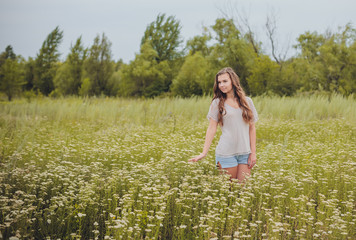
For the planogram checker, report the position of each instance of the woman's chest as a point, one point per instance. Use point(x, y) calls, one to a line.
point(231, 112)
point(232, 103)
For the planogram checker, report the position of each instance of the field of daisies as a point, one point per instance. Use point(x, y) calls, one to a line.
point(104, 168)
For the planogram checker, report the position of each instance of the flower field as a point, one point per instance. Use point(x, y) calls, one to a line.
point(117, 169)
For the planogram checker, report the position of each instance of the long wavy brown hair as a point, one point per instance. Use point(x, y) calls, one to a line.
point(238, 93)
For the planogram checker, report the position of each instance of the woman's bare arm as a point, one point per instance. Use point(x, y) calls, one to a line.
point(252, 132)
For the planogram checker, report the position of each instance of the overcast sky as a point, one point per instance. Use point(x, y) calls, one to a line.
point(24, 24)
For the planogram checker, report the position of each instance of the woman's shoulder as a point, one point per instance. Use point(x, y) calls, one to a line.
point(215, 101)
point(249, 100)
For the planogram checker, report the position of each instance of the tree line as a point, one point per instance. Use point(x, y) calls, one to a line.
point(165, 66)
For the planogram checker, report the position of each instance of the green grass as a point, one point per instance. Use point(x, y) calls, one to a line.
point(117, 169)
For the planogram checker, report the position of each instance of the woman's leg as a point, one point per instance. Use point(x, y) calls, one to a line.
point(231, 171)
point(242, 171)
point(228, 165)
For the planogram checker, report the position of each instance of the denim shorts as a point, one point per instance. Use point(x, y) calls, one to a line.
point(229, 162)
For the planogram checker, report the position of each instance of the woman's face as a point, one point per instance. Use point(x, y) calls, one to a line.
point(225, 84)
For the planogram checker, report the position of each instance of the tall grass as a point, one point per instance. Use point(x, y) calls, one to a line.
point(315, 107)
point(105, 168)
point(106, 109)
point(141, 111)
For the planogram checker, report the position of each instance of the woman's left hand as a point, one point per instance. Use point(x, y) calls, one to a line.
point(197, 158)
point(252, 160)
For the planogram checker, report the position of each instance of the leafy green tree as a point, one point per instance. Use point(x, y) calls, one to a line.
point(127, 85)
point(11, 72)
point(69, 75)
point(349, 86)
point(7, 54)
point(309, 44)
point(193, 78)
point(85, 88)
point(306, 65)
point(338, 59)
point(327, 62)
point(287, 81)
point(47, 62)
point(199, 44)
point(98, 66)
point(164, 36)
point(29, 74)
point(114, 83)
point(116, 79)
point(144, 76)
point(225, 29)
point(11, 77)
point(264, 74)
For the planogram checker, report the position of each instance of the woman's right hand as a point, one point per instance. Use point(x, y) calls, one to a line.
point(197, 158)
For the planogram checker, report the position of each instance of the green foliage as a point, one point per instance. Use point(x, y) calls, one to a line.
point(225, 29)
point(126, 85)
point(114, 84)
point(11, 73)
point(308, 74)
point(144, 76)
point(164, 36)
point(29, 95)
point(328, 61)
point(288, 82)
point(62, 80)
point(199, 44)
point(309, 44)
point(99, 66)
point(69, 75)
point(192, 78)
point(29, 74)
point(268, 77)
point(11, 77)
point(85, 88)
point(264, 74)
point(46, 63)
point(338, 59)
point(7, 54)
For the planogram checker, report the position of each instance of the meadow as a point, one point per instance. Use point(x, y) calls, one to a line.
point(105, 168)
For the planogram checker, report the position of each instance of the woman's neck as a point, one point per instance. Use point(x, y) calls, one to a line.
point(230, 95)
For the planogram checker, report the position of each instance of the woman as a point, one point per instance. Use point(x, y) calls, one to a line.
point(236, 115)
